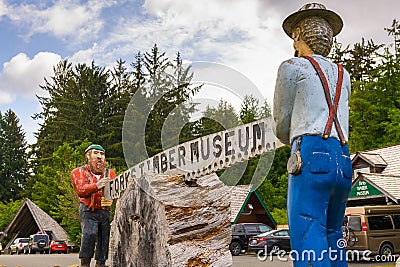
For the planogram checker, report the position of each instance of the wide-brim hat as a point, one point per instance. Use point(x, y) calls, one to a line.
point(313, 9)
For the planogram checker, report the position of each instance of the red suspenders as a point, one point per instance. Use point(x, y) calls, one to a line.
point(332, 106)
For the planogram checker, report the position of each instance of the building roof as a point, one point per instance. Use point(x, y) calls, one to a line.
point(242, 196)
point(239, 195)
point(388, 157)
point(373, 159)
point(31, 219)
point(389, 184)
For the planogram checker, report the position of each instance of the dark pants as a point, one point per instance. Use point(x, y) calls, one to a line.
point(95, 227)
point(316, 202)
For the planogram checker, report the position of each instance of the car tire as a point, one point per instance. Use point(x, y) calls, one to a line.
point(386, 249)
point(235, 248)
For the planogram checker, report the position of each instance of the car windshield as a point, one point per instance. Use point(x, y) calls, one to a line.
point(59, 242)
point(24, 240)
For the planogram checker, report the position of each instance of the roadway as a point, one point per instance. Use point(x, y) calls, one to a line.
point(65, 260)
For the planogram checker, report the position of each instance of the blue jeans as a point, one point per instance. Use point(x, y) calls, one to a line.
point(95, 232)
point(317, 200)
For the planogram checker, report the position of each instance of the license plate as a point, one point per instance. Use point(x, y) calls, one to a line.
point(253, 242)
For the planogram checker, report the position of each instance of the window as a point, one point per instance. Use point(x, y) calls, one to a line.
point(396, 220)
point(238, 229)
point(380, 222)
point(282, 233)
point(354, 223)
point(264, 228)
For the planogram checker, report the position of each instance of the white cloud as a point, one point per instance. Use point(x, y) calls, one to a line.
point(67, 19)
point(237, 33)
point(3, 8)
point(6, 98)
point(85, 56)
point(22, 75)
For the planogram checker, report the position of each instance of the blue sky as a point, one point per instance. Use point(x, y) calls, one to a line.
point(245, 35)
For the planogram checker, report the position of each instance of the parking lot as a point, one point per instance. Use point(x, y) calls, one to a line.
point(62, 260)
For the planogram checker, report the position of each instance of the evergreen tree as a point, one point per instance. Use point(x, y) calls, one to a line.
point(215, 119)
point(52, 190)
point(374, 103)
point(250, 109)
point(84, 102)
point(13, 157)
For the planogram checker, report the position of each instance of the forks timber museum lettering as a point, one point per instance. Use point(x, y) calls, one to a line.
point(203, 155)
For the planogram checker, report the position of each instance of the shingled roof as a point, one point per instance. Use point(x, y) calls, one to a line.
point(387, 157)
point(380, 168)
point(31, 219)
point(241, 196)
point(388, 184)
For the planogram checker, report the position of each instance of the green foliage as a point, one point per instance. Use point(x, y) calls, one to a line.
point(52, 190)
point(280, 216)
point(216, 119)
point(374, 103)
point(8, 211)
point(13, 157)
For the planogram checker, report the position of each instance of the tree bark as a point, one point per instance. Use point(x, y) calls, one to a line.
point(161, 220)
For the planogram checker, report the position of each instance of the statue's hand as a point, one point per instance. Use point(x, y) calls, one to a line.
point(102, 183)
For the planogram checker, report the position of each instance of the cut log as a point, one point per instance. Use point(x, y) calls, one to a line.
point(161, 220)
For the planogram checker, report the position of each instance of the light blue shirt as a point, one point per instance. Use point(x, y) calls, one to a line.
point(300, 107)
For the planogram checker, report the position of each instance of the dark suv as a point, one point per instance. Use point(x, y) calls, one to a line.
point(241, 233)
point(38, 242)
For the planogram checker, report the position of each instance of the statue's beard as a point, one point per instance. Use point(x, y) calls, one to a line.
point(97, 166)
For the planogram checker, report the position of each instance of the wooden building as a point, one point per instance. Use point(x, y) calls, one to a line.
point(248, 207)
point(376, 177)
point(30, 219)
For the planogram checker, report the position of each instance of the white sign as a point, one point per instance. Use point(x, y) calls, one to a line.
point(203, 155)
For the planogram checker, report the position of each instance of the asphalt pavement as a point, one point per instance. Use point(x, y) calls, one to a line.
point(243, 260)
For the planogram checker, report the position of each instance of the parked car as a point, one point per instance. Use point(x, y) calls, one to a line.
point(38, 242)
point(377, 228)
point(58, 246)
point(18, 246)
point(272, 241)
point(242, 232)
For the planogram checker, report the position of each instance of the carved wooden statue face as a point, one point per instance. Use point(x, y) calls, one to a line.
point(96, 160)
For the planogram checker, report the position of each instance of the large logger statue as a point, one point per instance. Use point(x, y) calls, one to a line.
point(311, 95)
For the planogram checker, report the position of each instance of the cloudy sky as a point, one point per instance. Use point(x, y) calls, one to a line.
point(244, 35)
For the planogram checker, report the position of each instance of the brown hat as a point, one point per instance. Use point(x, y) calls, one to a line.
point(313, 9)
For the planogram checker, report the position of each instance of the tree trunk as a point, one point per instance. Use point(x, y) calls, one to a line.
point(161, 220)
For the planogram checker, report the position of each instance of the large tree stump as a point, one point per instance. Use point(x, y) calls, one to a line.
point(161, 220)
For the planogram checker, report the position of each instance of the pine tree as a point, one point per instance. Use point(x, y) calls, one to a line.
point(13, 157)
